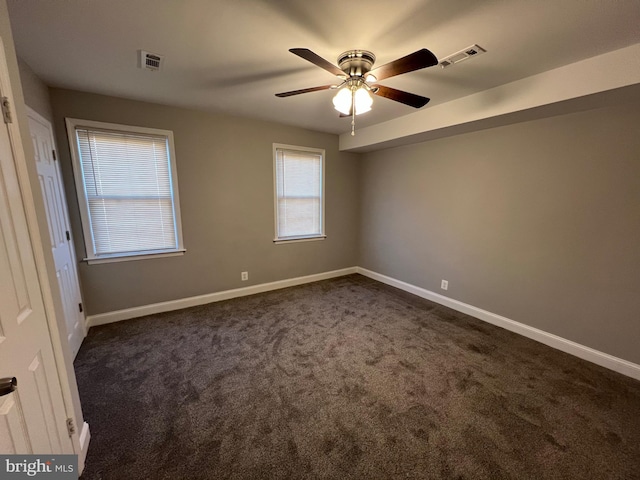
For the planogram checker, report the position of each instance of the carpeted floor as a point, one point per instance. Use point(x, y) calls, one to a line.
point(344, 379)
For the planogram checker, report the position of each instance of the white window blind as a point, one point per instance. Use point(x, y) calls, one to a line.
point(299, 193)
point(129, 192)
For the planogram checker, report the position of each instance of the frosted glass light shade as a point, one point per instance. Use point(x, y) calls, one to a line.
point(363, 101)
point(342, 101)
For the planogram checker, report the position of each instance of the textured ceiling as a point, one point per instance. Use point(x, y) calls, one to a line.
point(233, 56)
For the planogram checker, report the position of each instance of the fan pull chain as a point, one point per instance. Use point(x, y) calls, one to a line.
point(353, 112)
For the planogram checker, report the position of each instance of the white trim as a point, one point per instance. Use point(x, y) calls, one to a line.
point(130, 257)
point(72, 124)
point(279, 241)
point(323, 156)
point(586, 353)
point(126, 314)
point(85, 437)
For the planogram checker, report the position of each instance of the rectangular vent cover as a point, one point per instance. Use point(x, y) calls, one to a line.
point(462, 55)
point(150, 61)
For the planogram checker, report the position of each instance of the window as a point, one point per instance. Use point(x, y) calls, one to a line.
point(299, 193)
point(127, 190)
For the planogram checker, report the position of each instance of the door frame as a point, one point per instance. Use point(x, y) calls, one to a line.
point(37, 117)
point(62, 352)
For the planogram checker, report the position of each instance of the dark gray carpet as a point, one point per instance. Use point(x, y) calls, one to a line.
point(342, 379)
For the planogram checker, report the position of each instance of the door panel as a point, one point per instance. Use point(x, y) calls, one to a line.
point(23, 324)
point(71, 310)
point(32, 418)
point(15, 288)
point(39, 379)
point(13, 431)
point(58, 221)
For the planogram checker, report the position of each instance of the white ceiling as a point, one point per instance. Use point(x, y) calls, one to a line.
point(232, 55)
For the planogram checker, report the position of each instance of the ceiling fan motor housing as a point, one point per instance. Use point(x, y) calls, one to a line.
point(356, 62)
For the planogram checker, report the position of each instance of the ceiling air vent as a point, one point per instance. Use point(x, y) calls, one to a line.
point(150, 61)
point(467, 53)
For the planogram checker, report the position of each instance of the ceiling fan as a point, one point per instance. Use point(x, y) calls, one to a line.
point(358, 79)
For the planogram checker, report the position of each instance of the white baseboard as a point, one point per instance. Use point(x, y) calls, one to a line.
point(126, 314)
point(586, 353)
point(85, 437)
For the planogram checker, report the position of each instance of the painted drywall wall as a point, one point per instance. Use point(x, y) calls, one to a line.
point(61, 346)
point(538, 222)
point(36, 93)
point(225, 180)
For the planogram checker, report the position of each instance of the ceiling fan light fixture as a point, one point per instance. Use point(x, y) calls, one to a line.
point(344, 99)
point(353, 95)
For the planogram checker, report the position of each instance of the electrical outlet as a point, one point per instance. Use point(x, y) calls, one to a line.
point(444, 285)
point(244, 276)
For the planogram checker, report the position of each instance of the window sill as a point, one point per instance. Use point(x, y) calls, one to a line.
point(134, 256)
point(278, 241)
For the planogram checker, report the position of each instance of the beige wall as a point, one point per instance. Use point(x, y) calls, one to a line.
point(225, 178)
point(538, 222)
point(36, 93)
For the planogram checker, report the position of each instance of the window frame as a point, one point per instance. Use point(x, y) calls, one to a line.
point(301, 238)
point(91, 258)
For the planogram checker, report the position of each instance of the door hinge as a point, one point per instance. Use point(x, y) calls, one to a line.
point(80, 307)
point(6, 110)
point(71, 427)
point(68, 236)
point(53, 152)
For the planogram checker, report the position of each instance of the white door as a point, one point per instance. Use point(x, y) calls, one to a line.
point(59, 230)
point(32, 418)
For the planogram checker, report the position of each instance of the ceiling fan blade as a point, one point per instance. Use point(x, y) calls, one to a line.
point(317, 60)
point(414, 61)
point(304, 90)
point(411, 99)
